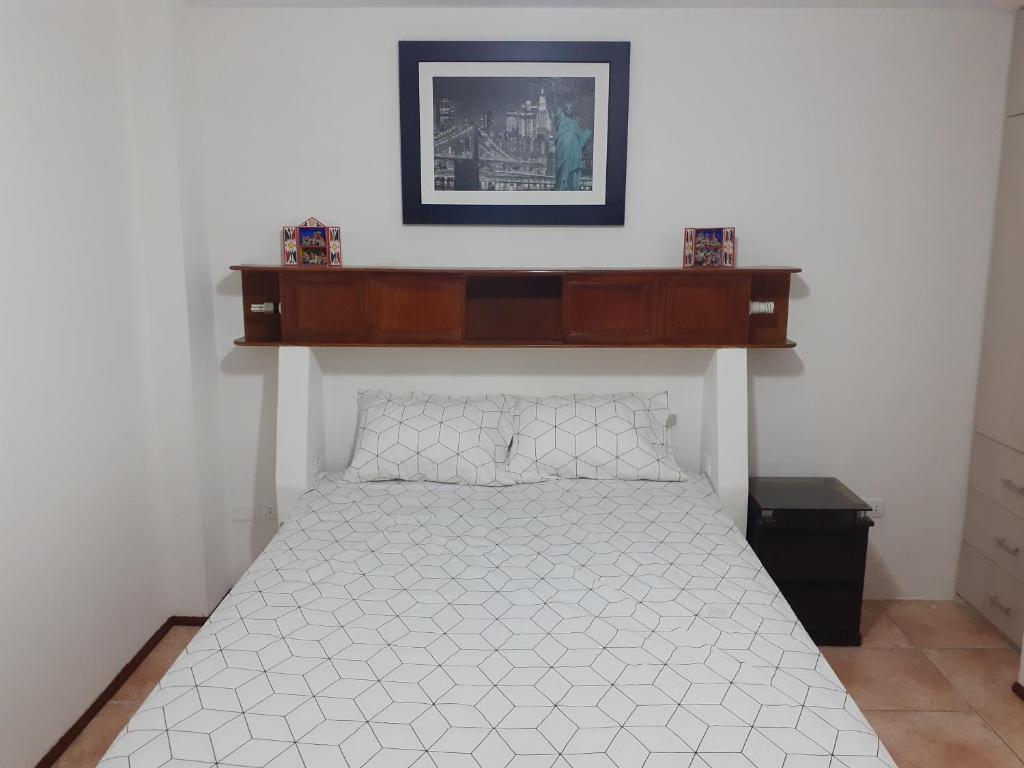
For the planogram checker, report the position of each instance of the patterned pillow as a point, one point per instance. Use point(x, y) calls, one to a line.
point(446, 439)
point(604, 437)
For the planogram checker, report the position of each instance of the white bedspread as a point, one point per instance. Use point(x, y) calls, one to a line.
point(578, 623)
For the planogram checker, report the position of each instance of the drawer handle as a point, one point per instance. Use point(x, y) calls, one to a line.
point(762, 307)
point(1007, 546)
point(999, 606)
point(263, 308)
point(1015, 487)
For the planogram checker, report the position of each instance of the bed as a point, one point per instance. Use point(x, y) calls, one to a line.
point(568, 623)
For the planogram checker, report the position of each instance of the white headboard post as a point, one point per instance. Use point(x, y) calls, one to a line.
point(724, 444)
point(300, 425)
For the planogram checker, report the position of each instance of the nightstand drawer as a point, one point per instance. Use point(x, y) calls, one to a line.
point(814, 557)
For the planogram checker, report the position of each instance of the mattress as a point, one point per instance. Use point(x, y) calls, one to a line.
point(566, 624)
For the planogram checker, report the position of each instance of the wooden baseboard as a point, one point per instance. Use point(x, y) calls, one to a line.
point(64, 741)
point(1018, 689)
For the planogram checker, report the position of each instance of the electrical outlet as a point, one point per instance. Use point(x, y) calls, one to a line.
point(270, 511)
point(318, 463)
point(877, 508)
point(706, 463)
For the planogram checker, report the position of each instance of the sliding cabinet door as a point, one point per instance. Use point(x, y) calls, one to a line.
point(706, 309)
point(601, 309)
point(425, 309)
point(325, 307)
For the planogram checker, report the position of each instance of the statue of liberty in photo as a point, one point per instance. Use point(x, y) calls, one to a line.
point(570, 141)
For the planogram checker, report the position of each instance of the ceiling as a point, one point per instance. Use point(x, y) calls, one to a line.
point(1004, 5)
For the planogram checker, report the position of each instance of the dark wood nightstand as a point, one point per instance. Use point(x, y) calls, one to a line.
point(811, 533)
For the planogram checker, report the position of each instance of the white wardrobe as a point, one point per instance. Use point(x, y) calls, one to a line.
point(991, 574)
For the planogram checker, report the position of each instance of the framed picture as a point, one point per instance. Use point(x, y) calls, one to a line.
point(709, 247)
point(513, 132)
point(312, 244)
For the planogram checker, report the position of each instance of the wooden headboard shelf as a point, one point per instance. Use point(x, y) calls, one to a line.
point(322, 306)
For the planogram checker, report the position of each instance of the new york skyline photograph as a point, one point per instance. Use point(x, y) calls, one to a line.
point(513, 133)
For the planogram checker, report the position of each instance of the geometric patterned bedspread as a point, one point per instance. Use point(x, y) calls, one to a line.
point(566, 624)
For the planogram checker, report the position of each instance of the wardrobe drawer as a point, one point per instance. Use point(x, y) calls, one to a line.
point(1000, 409)
point(997, 595)
point(995, 532)
point(973, 573)
point(1006, 603)
point(998, 473)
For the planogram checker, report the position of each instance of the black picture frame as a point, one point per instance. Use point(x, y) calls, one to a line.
point(616, 54)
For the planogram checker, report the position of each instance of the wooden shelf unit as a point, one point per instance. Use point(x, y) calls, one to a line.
point(323, 306)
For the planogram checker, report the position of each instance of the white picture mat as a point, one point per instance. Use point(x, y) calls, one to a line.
point(428, 70)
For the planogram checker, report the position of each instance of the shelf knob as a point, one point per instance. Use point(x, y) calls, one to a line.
point(265, 308)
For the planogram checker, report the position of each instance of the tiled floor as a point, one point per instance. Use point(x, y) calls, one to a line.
point(932, 677)
point(934, 680)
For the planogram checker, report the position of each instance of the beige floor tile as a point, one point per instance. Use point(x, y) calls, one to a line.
point(893, 678)
point(179, 636)
point(983, 676)
point(155, 665)
point(944, 624)
point(88, 748)
point(878, 630)
point(941, 740)
point(1007, 719)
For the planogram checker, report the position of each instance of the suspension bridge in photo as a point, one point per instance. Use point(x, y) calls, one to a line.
point(465, 158)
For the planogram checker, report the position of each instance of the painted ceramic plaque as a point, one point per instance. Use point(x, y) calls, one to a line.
point(709, 247)
point(312, 244)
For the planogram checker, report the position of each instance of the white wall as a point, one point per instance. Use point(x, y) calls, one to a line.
point(178, 294)
point(860, 145)
point(524, 371)
point(82, 553)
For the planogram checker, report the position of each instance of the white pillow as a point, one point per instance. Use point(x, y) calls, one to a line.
point(446, 439)
point(604, 437)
